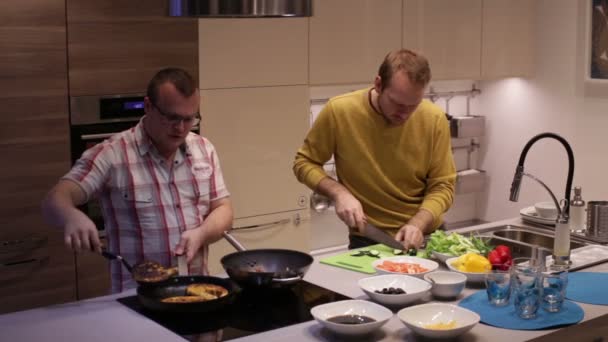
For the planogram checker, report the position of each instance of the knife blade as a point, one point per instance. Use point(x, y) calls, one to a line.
point(376, 234)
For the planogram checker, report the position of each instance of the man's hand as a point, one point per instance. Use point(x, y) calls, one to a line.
point(80, 233)
point(410, 236)
point(350, 211)
point(190, 243)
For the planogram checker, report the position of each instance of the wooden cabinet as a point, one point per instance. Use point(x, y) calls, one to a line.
point(93, 274)
point(256, 132)
point(448, 33)
point(253, 52)
point(35, 268)
point(116, 46)
point(508, 38)
point(349, 39)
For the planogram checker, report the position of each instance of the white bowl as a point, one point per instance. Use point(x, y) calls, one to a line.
point(414, 288)
point(446, 284)
point(442, 256)
point(546, 210)
point(430, 265)
point(379, 313)
point(471, 277)
point(418, 317)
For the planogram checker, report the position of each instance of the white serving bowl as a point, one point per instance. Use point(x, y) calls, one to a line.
point(546, 210)
point(446, 284)
point(441, 256)
point(379, 313)
point(414, 288)
point(419, 316)
point(471, 277)
point(430, 265)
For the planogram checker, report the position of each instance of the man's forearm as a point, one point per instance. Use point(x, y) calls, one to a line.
point(423, 220)
point(59, 204)
point(331, 188)
point(218, 221)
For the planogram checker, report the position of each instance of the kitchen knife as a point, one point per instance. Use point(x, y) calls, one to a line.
point(376, 234)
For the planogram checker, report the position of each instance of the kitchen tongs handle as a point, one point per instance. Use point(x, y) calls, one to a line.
point(112, 256)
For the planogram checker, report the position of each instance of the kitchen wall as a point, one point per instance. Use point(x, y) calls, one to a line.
point(556, 100)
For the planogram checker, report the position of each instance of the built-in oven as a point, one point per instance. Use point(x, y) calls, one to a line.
point(94, 119)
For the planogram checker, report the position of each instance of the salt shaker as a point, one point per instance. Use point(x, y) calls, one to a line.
point(578, 217)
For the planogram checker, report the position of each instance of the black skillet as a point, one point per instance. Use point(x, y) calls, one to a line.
point(151, 295)
point(265, 268)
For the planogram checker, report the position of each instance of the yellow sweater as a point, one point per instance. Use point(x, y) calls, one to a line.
point(392, 170)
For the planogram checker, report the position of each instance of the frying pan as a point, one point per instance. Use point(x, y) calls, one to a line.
point(150, 296)
point(260, 268)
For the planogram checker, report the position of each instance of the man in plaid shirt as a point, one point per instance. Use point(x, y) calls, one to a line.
point(160, 186)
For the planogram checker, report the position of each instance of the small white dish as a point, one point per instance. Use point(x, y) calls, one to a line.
point(446, 284)
point(419, 317)
point(471, 277)
point(429, 265)
point(529, 215)
point(414, 288)
point(379, 313)
point(546, 210)
point(442, 256)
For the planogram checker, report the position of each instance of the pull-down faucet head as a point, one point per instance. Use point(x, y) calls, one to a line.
point(519, 172)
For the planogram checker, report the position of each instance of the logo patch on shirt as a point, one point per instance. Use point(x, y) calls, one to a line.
point(203, 170)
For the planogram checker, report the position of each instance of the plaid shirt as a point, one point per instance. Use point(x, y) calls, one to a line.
point(147, 204)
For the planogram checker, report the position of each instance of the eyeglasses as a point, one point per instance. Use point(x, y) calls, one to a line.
point(174, 119)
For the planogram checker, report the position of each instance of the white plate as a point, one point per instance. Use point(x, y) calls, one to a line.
point(430, 265)
point(471, 277)
point(419, 316)
point(529, 214)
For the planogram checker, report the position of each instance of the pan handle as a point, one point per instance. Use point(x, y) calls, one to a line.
point(287, 280)
point(234, 242)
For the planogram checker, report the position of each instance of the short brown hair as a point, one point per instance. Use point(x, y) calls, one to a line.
point(415, 65)
point(180, 78)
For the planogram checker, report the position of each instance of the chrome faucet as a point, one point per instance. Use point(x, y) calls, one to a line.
point(561, 256)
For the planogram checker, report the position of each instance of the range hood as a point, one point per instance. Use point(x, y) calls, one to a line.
point(240, 8)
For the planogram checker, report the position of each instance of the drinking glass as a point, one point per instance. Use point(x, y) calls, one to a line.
point(525, 282)
point(553, 288)
point(498, 287)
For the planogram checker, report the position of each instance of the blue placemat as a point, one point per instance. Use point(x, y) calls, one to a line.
point(588, 287)
point(505, 316)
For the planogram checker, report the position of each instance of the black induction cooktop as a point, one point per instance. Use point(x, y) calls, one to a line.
point(252, 312)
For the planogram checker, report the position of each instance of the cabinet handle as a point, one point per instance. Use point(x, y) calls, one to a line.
point(22, 245)
point(86, 137)
point(263, 225)
point(23, 266)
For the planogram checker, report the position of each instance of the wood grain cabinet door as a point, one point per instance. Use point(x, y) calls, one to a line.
point(508, 38)
point(116, 46)
point(349, 39)
point(448, 33)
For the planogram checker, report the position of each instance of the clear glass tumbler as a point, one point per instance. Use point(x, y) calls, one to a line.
point(553, 288)
point(526, 290)
point(498, 287)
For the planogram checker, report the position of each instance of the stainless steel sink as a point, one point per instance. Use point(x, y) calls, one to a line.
point(540, 240)
point(528, 235)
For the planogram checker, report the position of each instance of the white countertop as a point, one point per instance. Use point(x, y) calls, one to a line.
point(104, 319)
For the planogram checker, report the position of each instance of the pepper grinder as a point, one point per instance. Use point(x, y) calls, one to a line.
point(577, 212)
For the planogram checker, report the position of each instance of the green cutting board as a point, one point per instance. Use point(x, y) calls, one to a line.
point(361, 264)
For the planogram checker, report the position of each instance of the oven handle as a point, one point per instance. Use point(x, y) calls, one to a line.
point(86, 137)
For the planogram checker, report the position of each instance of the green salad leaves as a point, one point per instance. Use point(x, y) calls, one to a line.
point(455, 244)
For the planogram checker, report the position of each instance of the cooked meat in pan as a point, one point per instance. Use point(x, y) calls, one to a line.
point(210, 291)
point(150, 272)
point(183, 299)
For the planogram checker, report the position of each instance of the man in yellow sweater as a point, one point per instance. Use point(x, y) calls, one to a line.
point(392, 153)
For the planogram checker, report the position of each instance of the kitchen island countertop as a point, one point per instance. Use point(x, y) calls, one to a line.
point(104, 319)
